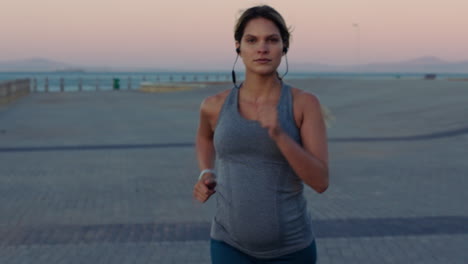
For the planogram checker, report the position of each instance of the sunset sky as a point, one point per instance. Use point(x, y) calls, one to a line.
point(193, 34)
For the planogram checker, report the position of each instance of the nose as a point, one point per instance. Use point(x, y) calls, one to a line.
point(263, 48)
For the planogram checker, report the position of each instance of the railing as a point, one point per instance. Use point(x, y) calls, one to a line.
point(10, 90)
point(88, 83)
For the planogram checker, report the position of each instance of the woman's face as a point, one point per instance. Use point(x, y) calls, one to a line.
point(261, 47)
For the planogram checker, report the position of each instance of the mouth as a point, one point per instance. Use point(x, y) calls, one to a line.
point(263, 60)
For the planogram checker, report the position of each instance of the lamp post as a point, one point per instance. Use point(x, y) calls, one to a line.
point(358, 35)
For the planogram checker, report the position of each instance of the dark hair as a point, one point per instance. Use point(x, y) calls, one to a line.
point(263, 11)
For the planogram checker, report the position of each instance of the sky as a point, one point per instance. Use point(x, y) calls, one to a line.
point(199, 34)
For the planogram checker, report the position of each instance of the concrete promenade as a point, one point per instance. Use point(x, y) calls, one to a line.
point(107, 177)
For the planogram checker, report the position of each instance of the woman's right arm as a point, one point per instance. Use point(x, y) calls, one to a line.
point(204, 141)
point(205, 187)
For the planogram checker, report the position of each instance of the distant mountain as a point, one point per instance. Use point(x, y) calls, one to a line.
point(428, 64)
point(425, 60)
point(46, 65)
point(35, 64)
point(423, 64)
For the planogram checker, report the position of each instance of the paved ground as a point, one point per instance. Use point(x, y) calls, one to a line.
point(106, 177)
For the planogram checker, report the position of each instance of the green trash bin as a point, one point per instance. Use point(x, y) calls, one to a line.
point(116, 83)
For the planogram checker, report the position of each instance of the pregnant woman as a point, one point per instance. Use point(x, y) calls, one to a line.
point(267, 140)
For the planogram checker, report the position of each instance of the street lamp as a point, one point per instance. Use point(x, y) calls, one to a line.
point(358, 31)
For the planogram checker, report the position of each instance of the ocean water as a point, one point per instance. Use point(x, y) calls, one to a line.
point(132, 80)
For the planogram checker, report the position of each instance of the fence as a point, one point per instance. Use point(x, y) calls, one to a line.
point(10, 90)
point(89, 83)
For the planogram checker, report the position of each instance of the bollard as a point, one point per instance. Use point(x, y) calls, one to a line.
point(35, 84)
point(8, 90)
point(27, 86)
point(80, 84)
point(116, 83)
point(46, 84)
point(62, 85)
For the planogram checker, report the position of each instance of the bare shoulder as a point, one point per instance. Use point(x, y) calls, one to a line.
point(304, 104)
point(305, 99)
point(212, 104)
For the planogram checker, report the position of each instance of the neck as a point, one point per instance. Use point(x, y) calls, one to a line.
point(261, 87)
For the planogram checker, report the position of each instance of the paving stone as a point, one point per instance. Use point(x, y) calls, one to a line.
point(107, 177)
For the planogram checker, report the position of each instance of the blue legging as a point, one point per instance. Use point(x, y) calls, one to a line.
point(222, 253)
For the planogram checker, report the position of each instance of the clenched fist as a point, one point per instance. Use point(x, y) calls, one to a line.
point(267, 116)
point(205, 187)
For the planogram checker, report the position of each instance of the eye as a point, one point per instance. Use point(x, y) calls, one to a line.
point(274, 40)
point(250, 40)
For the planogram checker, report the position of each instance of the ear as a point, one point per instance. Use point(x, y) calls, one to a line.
point(238, 47)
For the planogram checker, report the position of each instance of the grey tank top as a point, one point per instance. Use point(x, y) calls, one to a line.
point(260, 206)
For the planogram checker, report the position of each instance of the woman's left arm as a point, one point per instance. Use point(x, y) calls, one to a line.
point(309, 161)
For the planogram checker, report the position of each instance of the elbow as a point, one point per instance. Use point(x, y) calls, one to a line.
point(322, 188)
point(323, 185)
point(319, 188)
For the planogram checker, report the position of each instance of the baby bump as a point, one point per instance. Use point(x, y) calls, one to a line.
point(255, 224)
point(254, 214)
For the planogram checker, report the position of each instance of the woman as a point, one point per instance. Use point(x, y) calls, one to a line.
point(267, 139)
